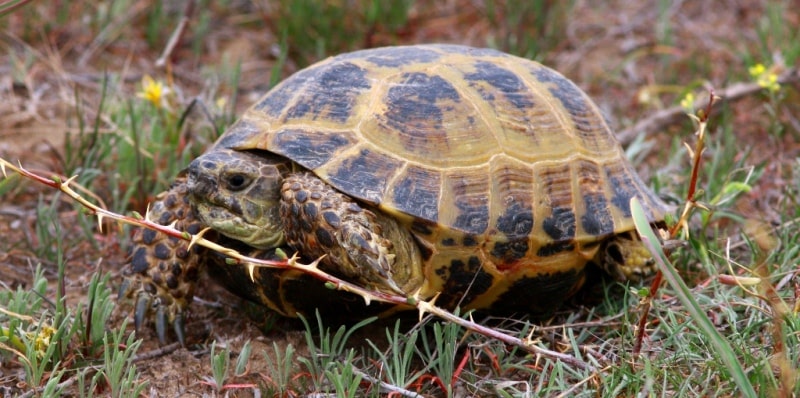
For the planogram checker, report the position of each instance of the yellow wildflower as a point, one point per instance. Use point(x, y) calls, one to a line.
point(42, 339)
point(757, 70)
point(221, 102)
point(687, 103)
point(153, 91)
point(645, 96)
point(767, 79)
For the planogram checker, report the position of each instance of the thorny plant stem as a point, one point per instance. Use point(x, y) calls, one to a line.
point(696, 155)
point(422, 306)
point(683, 222)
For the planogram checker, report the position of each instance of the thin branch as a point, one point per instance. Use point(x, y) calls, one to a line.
point(334, 282)
point(158, 352)
point(386, 387)
point(60, 386)
point(177, 34)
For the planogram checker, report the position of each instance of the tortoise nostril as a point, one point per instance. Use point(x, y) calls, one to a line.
point(194, 167)
point(200, 164)
point(193, 172)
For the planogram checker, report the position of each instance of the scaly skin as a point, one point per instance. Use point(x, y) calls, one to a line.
point(370, 249)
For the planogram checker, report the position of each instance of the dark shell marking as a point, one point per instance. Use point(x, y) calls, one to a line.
point(539, 295)
point(596, 218)
point(508, 83)
point(308, 148)
point(480, 154)
point(516, 224)
point(469, 196)
point(465, 281)
point(416, 109)
point(391, 57)
point(365, 175)
point(416, 192)
point(347, 80)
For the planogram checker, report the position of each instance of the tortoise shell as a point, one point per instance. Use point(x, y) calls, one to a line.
point(505, 171)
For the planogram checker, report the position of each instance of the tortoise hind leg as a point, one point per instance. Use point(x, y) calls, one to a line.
point(625, 257)
point(364, 245)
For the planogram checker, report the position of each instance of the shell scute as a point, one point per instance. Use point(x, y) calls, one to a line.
point(280, 97)
point(512, 199)
point(468, 203)
point(503, 80)
point(559, 221)
point(417, 192)
point(309, 148)
point(588, 124)
point(597, 219)
point(571, 97)
point(415, 110)
point(395, 57)
point(364, 175)
point(622, 188)
point(421, 116)
point(348, 81)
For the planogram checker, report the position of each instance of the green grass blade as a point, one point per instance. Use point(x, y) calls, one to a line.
point(721, 346)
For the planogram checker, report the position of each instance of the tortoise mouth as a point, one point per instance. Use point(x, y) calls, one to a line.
point(227, 215)
point(225, 220)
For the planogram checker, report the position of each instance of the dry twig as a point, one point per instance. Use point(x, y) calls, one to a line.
point(661, 119)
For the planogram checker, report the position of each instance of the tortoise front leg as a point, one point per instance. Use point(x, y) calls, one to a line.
point(163, 271)
point(367, 246)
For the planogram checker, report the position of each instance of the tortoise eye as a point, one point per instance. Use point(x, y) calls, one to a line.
point(237, 182)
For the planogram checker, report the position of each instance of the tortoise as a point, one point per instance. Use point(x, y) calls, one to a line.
point(487, 179)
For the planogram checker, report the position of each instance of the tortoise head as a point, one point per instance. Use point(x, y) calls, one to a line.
point(238, 193)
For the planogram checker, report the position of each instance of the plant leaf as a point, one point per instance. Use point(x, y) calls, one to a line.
point(721, 346)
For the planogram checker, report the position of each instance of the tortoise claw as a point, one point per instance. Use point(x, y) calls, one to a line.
point(140, 311)
point(162, 321)
point(164, 316)
point(124, 289)
point(178, 326)
point(161, 324)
